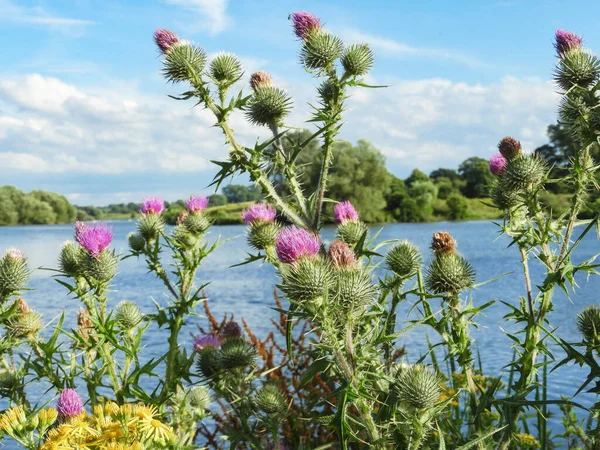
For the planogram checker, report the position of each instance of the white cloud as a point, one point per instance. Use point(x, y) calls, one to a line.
point(211, 13)
point(392, 47)
point(38, 16)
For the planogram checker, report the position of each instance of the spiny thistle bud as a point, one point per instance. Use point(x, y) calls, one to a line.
point(102, 267)
point(357, 59)
point(351, 232)
point(14, 272)
point(208, 362)
point(150, 226)
point(262, 235)
point(443, 242)
point(341, 255)
point(136, 241)
point(565, 41)
point(236, 354)
point(184, 239)
point(327, 91)
point(320, 50)
point(183, 62)
point(577, 68)
point(128, 315)
point(449, 273)
point(165, 39)
point(260, 79)
point(418, 387)
point(268, 106)
point(152, 206)
point(94, 238)
point(497, 164)
point(588, 324)
point(199, 398)
point(306, 279)
point(403, 259)
point(509, 147)
point(9, 380)
point(225, 69)
point(345, 212)
point(197, 223)
point(526, 171)
point(69, 404)
point(353, 288)
point(25, 325)
point(71, 259)
point(503, 198)
point(304, 23)
point(270, 399)
point(295, 243)
point(231, 330)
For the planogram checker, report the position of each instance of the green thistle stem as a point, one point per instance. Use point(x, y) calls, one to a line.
point(325, 163)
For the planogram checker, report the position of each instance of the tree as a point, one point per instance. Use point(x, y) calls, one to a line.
point(415, 176)
point(451, 174)
point(65, 212)
point(217, 200)
point(476, 172)
point(457, 206)
point(237, 193)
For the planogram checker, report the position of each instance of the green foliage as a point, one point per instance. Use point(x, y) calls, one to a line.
point(476, 172)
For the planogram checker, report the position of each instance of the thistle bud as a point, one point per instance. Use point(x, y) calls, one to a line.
point(208, 362)
point(327, 91)
point(509, 147)
point(14, 273)
point(304, 23)
point(25, 325)
point(320, 50)
point(526, 171)
point(260, 79)
point(443, 243)
point(196, 224)
point(9, 381)
point(449, 273)
point(69, 404)
point(199, 398)
point(497, 164)
point(588, 324)
point(102, 267)
point(136, 241)
point(231, 330)
point(70, 259)
point(341, 255)
point(165, 39)
point(565, 41)
point(150, 226)
point(403, 259)
point(236, 354)
point(225, 69)
point(270, 399)
point(263, 230)
point(181, 217)
point(357, 59)
point(306, 279)
point(577, 68)
point(353, 288)
point(351, 232)
point(128, 315)
point(184, 239)
point(184, 62)
point(418, 387)
point(268, 106)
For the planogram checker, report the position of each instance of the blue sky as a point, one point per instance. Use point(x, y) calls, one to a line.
point(84, 111)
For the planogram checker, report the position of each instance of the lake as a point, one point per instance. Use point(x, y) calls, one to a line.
point(247, 291)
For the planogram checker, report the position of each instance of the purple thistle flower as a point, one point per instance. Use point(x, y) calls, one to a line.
point(344, 212)
point(152, 205)
point(69, 404)
point(304, 22)
point(196, 203)
point(294, 243)
point(566, 41)
point(206, 340)
point(260, 79)
point(497, 163)
point(259, 212)
point(165, 39)
point(94, 238)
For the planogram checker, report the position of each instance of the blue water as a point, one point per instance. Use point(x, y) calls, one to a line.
point(247, 291)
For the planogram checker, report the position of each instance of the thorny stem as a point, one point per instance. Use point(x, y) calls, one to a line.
point(327, 148)
point(525, 263)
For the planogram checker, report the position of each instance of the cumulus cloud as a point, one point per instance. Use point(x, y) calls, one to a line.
point(212, 14)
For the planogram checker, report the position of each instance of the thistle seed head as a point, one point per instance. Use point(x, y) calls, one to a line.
point(443, 243)
point(509, 147)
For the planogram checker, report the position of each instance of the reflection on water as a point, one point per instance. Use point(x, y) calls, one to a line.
point(247, 291)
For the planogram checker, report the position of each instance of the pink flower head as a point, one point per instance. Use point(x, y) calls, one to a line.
point(294, 243)
point(152, 205)
point(94, 238)
point(566, 41)
point(345, 212)
point(304, 23)
point(259, 212)
point(165, 39)
point(206, 340)
point(260, 79)
point(14, 254)
point(196, 203)
point(69, 404)
point(497, 163)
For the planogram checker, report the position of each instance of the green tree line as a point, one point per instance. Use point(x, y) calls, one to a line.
point(36, 207)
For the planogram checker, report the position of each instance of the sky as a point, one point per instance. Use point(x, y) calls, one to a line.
point(85, 112)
